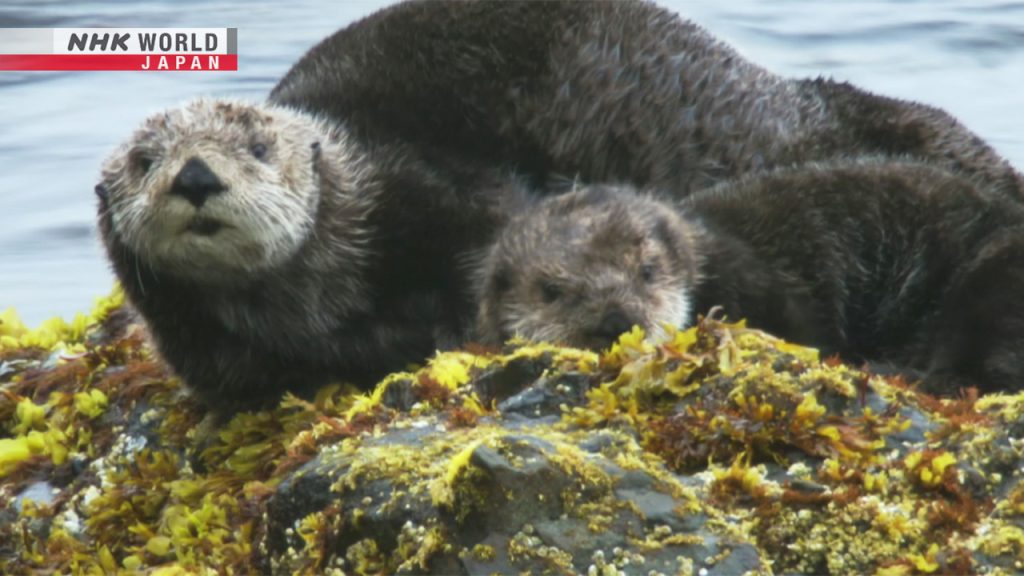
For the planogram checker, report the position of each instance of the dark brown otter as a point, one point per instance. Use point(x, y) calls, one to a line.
point(902, 263)
point(267, 251)
point(608, 92)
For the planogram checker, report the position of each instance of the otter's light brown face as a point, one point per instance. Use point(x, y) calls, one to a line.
point(213, 188)
point(586, 266)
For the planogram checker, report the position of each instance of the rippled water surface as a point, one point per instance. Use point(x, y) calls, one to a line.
point(966, 56)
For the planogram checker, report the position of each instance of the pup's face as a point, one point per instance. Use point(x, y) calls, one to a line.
point(584, 267)
point(212, 189)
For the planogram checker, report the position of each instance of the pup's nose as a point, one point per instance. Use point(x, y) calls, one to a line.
point(196, 182)
point(612, 325)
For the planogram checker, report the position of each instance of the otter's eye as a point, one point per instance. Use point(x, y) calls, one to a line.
point(550, 292)
point(259, 150)
point(144, 163)
point(647, 272)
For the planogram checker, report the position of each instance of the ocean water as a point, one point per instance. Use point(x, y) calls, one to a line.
point(966, 56)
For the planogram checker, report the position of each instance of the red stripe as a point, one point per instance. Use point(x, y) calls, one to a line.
point(134, 62)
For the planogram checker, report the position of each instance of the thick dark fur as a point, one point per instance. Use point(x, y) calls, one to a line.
point(896, 262)
point(443, 98)
point(377, 284)
point(607, 92)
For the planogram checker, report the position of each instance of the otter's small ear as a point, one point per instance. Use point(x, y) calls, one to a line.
point(102, 192)
point(664, 233)
point(675, 234)
point(315, 146)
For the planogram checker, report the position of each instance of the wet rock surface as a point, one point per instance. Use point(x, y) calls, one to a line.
point(718, 451)
point(508, 502)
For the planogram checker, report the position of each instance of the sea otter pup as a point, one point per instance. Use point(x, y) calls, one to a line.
point(268, 251)
point(607, 92)
point(889, 261)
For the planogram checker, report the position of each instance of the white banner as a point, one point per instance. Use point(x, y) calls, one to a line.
point(144, 41)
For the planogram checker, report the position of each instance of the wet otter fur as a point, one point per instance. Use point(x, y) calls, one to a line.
point(606, 92)
point(901, 263)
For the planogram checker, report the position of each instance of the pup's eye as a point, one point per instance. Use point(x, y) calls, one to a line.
point(647, 272)
point(550, 292)
point(259, 150)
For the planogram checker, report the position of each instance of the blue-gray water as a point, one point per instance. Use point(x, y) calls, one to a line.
point(966, 56)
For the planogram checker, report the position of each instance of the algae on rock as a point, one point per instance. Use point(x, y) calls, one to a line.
point(719, 450)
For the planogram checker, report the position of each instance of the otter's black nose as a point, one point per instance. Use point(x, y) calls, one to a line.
point(612, 325)
point(196, 182)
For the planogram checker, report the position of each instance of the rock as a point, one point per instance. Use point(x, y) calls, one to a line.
point(718, 451)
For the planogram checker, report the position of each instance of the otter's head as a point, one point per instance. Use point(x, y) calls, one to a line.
point(213, 189)
point(586, 266)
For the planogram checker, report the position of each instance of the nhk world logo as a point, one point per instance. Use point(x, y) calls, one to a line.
point(145, 49)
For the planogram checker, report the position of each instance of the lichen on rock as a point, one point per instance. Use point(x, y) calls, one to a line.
point(719, 450)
